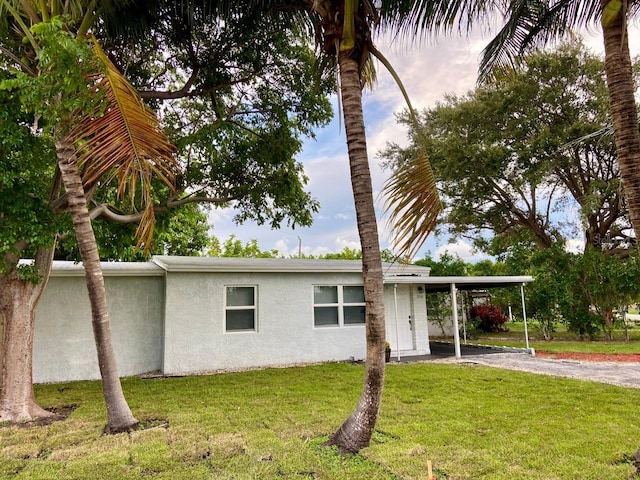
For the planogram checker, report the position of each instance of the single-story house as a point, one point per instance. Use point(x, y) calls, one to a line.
point(186, 315)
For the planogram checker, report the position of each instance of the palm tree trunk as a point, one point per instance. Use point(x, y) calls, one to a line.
point(18, 304)
point(119, 414)
point(617, 63)
point(355, 433)
point(623, 111)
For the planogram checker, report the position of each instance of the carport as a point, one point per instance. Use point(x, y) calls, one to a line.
point(455, 284)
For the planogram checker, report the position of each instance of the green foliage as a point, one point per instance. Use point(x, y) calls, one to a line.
point(233, 247)
point(448, 265)
point(581, 290)
point(60, 92)
point(26, 170)
point(345, 254)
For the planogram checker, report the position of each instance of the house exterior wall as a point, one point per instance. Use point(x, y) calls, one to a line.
point(195, 337)
point(174, 322)
point(64, 349)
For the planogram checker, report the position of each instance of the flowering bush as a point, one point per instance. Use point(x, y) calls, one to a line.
point(488, 318)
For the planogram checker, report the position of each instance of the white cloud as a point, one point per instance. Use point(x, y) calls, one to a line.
point(461, 249)
point(575, 245)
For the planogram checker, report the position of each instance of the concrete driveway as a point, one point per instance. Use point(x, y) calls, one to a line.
point(625, 374)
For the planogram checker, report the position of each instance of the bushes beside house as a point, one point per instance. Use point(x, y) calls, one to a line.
point(488, 318)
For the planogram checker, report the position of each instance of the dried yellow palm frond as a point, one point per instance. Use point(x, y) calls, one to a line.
point(123, 140)
point(412, 199)
point(413, 205)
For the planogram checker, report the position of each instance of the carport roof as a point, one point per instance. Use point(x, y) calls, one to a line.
point(443, 284)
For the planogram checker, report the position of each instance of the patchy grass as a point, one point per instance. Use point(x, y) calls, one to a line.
point(562, 342)
point(471, 422)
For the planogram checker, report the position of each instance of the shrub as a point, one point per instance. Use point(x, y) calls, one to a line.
point(488, 318)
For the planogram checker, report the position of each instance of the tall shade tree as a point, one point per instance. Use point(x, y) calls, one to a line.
point(28, 229)
point(535, 182)
point(99, 127)
point(533, 23)
point(236, 115)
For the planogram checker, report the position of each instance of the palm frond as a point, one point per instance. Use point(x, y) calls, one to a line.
point(530, 24)
point(412, 197)
point(411, 17)
point(123, 142)
point(413, 205)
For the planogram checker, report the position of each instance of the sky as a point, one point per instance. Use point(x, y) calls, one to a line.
point(429, 71)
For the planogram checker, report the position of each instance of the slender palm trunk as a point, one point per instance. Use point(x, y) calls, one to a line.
point(355, 433)
point(623, 111)
point(119, 414)
point(18, 304)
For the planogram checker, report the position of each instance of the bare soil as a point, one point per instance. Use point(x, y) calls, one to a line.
point(592, 357)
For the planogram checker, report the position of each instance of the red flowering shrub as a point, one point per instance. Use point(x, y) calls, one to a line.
point(488, 318)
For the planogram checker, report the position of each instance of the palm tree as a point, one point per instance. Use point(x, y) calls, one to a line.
point(530, 24)
point(345, 34)
point(104, 131)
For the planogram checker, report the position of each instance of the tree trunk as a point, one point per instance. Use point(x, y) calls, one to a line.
point(355, 433)
point(617, 62)
point(119, 414)
point(18, 304)
point(623, 111)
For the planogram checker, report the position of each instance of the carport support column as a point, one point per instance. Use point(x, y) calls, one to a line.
point(395, 305)
point(524, 316)
point(454, 311)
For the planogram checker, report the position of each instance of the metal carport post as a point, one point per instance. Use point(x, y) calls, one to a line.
point(524, 316)
point(454, 308)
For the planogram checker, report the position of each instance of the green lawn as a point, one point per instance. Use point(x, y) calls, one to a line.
point(471, 422)
point(562, 341)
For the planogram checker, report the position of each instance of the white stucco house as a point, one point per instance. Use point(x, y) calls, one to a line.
point(186, 315)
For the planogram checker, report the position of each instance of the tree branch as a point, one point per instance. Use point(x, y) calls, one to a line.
point(108, 212)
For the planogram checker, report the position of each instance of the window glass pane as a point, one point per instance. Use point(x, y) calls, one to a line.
point(325, 294)
point(354, 315)
point(240, 296)
point(240, 320)
point(354, 294)
point(325, 316)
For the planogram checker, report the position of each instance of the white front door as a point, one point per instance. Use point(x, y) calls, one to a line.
point(399, 327)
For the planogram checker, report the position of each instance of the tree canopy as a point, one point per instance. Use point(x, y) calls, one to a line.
point(521, 159)
point(236, 98)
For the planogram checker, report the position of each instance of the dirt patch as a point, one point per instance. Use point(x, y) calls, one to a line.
point(592, 357)
point(60, 413)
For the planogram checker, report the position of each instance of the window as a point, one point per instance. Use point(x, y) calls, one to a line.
point(240, 309)
point(335, 306)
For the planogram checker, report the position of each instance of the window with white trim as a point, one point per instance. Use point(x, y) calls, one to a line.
point(240, 308)
point(338, 305)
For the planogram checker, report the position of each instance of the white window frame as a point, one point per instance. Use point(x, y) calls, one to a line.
point(340, 306)
point(253, 307)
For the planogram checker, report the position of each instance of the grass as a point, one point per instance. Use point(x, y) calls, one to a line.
point(563, 341)
point(471, 422)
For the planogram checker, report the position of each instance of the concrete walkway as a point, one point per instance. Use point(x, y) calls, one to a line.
point(625, 374)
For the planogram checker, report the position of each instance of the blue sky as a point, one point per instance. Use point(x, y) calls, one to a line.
point(428, 72)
